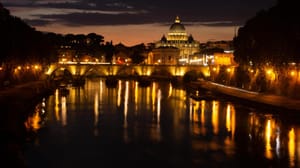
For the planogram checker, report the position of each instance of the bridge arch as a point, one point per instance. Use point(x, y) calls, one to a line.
point(127, 71)
point(197, 73)
point(61, 74)
point(94, 72)
point(82, 70)
point(161, 73)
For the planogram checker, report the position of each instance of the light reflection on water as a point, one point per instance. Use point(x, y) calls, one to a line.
point(161, 124)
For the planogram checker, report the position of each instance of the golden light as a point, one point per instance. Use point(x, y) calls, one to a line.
point(293, 73)
point(228, 69)
point(214, 68)
point(215, 116)
point(19, 67)
point(1, 68)
point(33, 122)
point(36, 67)
point(269, 71)
point(268, 135)
point(228, 118)
point(63, 111)
point(292, 146)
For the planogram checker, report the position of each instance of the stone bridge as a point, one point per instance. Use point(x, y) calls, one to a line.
point(82, 70)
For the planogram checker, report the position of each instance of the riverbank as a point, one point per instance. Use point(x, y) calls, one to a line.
point(16, 102)
point(257, 97)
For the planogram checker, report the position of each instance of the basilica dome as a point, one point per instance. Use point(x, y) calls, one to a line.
point(177, 26)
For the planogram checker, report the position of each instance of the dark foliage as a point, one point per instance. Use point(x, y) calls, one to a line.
point(272, 36)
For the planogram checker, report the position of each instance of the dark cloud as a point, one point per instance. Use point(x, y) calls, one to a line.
point(210, 12)
point(37, 22)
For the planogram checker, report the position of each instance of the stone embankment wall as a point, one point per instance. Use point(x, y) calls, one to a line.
point(268, 99)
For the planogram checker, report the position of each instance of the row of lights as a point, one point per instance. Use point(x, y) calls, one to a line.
point(18, 68)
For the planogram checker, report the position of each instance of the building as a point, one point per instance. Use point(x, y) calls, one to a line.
point(177, 37)
point(164, 55)
point(218, 53)
point(224, 58)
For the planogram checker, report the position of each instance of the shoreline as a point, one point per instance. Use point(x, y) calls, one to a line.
point(257, 97)
point(17, 102)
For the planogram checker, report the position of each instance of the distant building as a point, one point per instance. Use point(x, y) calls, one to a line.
point(164, 55)
point(225, 45)
point(225, 58)
point(218, 53)
point(66, 54)
point(165, 49)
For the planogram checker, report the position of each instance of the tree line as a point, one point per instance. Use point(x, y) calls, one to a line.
point(270, 37)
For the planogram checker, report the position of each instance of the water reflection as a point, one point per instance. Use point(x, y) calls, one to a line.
point(161, 122)
point(36, 120)
point(215, 116)
point(230, 120)
point(63, 111)
point(291, 147)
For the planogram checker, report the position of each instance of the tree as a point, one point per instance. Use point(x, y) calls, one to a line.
point(271, 36)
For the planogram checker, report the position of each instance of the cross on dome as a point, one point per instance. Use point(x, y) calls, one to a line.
point(177, 20)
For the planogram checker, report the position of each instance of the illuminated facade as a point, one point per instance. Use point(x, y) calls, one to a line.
point(225, 58)
point(164, 55)
point(177, 37)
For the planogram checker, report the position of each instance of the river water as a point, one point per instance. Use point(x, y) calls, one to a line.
point(159, 125)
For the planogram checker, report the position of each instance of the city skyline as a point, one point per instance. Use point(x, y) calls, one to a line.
point(133, 22)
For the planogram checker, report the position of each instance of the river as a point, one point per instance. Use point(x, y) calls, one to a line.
point(154, 126)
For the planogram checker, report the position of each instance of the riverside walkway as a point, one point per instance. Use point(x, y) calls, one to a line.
point(268, 99)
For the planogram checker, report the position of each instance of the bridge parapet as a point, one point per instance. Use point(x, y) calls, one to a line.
point(115, 69)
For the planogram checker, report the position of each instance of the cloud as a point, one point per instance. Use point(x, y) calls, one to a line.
point(36, 2)
point(123, 12)
point(137, 20)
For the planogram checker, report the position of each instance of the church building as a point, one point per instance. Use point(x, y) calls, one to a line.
point(176, 48)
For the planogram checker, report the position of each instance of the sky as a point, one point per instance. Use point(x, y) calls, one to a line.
point(132, 22)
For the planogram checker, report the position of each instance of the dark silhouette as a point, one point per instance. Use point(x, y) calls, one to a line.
point(272, 36)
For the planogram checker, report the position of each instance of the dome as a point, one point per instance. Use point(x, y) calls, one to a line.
point(177, 26)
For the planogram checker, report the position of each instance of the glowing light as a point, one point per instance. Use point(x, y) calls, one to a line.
point(292, 147)
point(202, 117)
point(64, 111)
point(228, 118)
point(153, 95)
point(126, 103)
point(136, 94)
point(293, 73)
point(119, 93)
point(215, 117)
point(56, 109)
point(96, 110)
point(196, 116)
point(268, 134)
point(170, 90)
point(33, 122)
point(158, 104)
